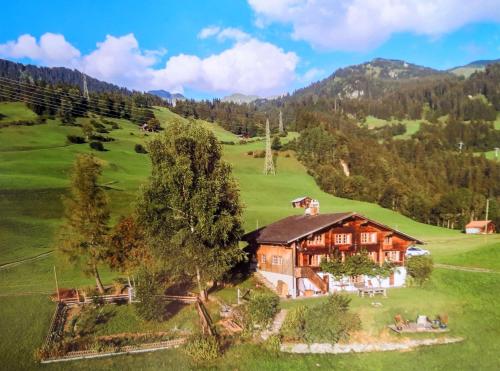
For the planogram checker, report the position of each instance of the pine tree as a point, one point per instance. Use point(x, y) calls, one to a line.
point(82, 237)
point(190, 210)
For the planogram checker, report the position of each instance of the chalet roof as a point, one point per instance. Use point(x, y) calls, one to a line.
point(294, 227)
point(300, 199)
point(478, 224)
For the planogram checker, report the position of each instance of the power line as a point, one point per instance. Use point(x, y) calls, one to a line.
point(22, 96)
point(44, 92)
point(47, 95)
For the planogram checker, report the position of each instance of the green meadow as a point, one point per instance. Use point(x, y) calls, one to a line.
point(412, 126)
point(35, 162)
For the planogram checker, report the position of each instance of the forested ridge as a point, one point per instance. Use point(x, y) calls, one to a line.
point(58, 92)
point(429, 176)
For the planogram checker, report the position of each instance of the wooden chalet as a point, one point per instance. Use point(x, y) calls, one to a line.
point(480, 227)
point(288, 252)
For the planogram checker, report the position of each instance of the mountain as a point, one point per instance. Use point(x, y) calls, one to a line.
point(56, 75)
point(368, 79)
point(240, 98)
point(166, 95)
point(472, 67)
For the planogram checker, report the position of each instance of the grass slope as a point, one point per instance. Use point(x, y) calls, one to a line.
point(15, 111)
point(412, 126)
point(34, 168)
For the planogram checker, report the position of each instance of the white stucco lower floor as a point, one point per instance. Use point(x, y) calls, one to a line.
point(298, 286)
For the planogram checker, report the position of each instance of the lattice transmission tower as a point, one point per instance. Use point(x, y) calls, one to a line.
point(269, 164)
point(281, 126)
point(85, 88)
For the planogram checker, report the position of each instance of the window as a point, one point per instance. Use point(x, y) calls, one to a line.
point(368, 237)
point(317, 239)
point(392, 256)
point(263, 259)
point(388, 240)
point(342, 239)
point(277, 260)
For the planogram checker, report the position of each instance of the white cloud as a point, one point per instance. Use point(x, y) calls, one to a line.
point(249, 65)
point(51, 50)
point(222, 34)
point(208, 32)
point(365, 24)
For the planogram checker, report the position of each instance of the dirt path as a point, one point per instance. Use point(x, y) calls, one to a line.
point(27, 260)
point(465, 269)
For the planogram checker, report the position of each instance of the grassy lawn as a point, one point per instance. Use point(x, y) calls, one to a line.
point(16, 111)
point(34, 168)
point(412, 126)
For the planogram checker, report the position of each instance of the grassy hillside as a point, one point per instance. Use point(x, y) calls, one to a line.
point(14, 111)
point(412, 126)
point(34, 169)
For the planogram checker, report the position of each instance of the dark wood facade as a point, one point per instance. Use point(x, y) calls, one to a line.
point(301, 257)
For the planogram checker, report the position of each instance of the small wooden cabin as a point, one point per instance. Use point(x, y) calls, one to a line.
point(480, 227)
point(302, 202)
point(288, 252)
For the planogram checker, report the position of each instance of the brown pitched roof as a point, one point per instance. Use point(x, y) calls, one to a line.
point(294, 227)
point(478, 224)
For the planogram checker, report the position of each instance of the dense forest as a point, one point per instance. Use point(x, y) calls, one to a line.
point(427, 176)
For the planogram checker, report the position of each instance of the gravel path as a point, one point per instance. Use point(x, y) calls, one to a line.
point(361, 348)
point(276, 326)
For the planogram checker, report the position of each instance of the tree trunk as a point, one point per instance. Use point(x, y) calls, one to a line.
point(203, 293)
point(98, 281)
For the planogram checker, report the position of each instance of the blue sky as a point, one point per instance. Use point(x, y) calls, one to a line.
point(261, 47)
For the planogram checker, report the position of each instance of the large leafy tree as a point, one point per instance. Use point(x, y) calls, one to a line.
point(126, 251)
point(190, 209)
point(82, 237)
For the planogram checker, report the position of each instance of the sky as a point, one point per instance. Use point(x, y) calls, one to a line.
point(208, 48)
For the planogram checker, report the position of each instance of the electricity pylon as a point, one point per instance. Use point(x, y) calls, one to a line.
point(269, 164)
point(281, 127)
point(85, 88)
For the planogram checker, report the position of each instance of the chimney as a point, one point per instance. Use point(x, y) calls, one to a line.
point(313, 208)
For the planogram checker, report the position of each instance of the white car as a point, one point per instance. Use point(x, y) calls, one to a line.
point(416, 251)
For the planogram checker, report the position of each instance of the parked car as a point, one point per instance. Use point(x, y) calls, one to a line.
point(416, 251)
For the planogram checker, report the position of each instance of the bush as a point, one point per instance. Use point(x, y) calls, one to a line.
point(98, 146)
point(294, 326)
point(139, 148)
point(276, 144)
point(273, 344)
point(259, 154)
point(151, 305)
point(203, 348)
point(262, 308)
point(250, 153)
point(228, 142)
point(101, 138)
point(76, 139)
point(419, 268)
point(331, 321)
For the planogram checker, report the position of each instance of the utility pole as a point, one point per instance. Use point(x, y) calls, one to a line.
point(487, 208)
point(269, 163)
point(85, 88)
point(57, 285)
point(281, 127)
